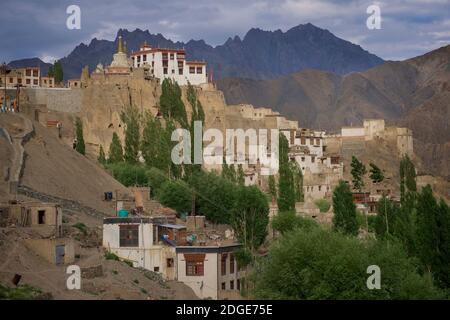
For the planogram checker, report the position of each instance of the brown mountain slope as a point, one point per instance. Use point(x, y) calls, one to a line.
point(414, 93)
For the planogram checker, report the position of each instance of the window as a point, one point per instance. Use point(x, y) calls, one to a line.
point(223, 264)
point(311, 141)
point(164, 56)
point(28, 81)
point(156, 269)
point(139, 59)
point(180, 71)
point(320, 188)
point(19, 80)
point(232, 285)
point(35, 82)
point(169, 262)
point(129, 235)
point(35, 73)
point(231, 263)
point(302, 140)
point(303, 159)
point(194, 264)
point(144, 57)
point(172, 56)
point(173, 71)
point(199, 70)
point(28, 72)
point(313, 159)
point(191, 70)
point(238, 284)
point(223, 286)
point(165, 70)
point(41, 217)
point(318, 141)
point(194, 268)
point(10, 80)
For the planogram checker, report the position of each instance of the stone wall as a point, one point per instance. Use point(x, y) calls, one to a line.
point(56, 99)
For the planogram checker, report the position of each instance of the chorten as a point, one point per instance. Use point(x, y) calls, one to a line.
point(120, 64)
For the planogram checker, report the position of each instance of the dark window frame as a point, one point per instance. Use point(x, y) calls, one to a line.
point(129, 235)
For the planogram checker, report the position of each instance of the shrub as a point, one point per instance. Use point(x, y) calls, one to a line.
point(81, 227)
point(111, 256)
point(323, 205)
point(128, 174)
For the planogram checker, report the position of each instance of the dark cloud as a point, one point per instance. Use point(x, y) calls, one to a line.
point(38, 28)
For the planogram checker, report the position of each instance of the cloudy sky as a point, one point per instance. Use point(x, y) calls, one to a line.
point(37, 28)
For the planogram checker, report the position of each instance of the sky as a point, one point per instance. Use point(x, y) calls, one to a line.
point(37, 28)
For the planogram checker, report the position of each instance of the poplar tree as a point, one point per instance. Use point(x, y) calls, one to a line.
point(240, 175)
point(344, 219)
point(286, 185)
point(81, 148)
point(101, 156)
point(358, 171)
point(115, 150)
point(131, 119)
point(272, 187)
point(58, 72)
point(433, 236)
point(376, 175)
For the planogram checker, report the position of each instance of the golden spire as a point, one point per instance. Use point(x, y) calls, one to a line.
point(120, 44)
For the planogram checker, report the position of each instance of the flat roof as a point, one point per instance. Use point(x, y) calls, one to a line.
point(207, 249)
point(171, 226)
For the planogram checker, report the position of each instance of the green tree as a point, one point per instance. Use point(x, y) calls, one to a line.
point(250, 217)
point(214, 196)
point(172, 107)
point(155, 179)
point(358, 171)
point(58, 71)
point(376, 175)
point(51, 72)
point(130, 116)
point(298, 182)
point(128, 174)
point(321, 264)
point(286, 183)
point(408, 186)
point(115, 150)
point(101, 156)
point(386, 213)
point(344, 219)
point(285, 222)
point(176, 194)
point(240, 178)
point(81, 148)
point(272, 187)
point(433, 236)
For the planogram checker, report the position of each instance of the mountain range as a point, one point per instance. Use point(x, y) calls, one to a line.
point(259, 55)
point(414, 93)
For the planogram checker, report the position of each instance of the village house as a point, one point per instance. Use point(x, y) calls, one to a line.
point(177, 252)
point(169, 63)
point(45, 219)
point(146, 242)
point(211, 271)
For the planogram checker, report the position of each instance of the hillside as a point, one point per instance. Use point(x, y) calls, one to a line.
point(53, 172)
point(412, 93)
point(258, 55)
